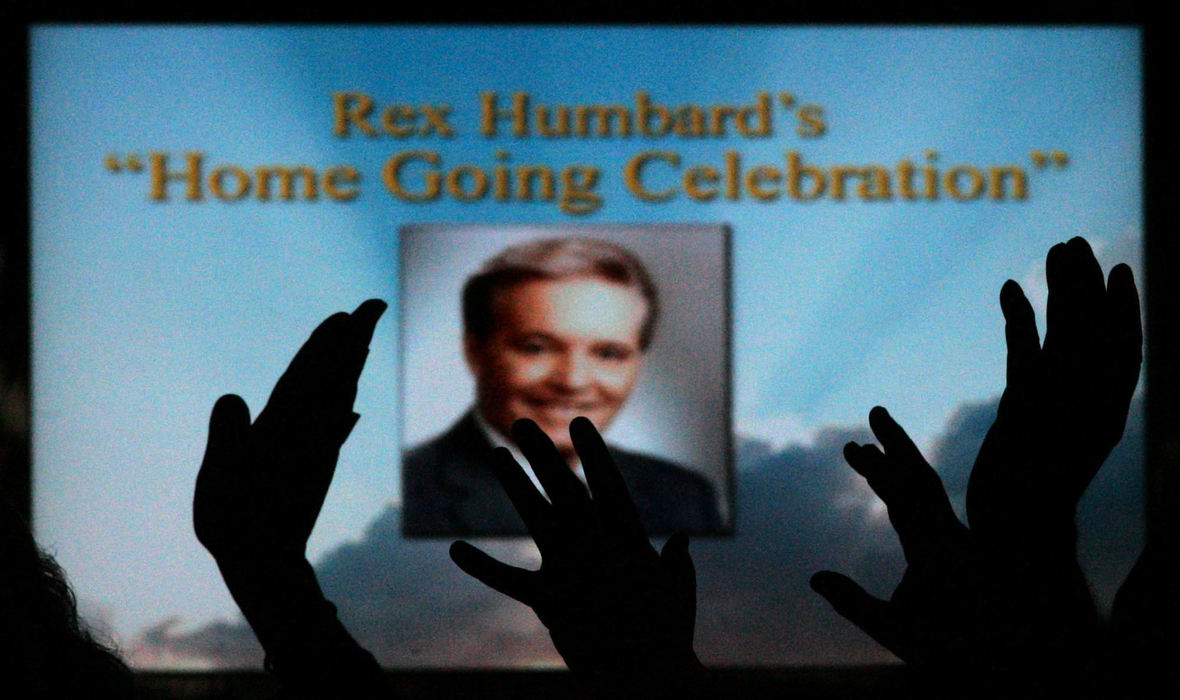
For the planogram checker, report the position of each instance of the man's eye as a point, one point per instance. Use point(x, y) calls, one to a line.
point(530, 347)
point(613, 353)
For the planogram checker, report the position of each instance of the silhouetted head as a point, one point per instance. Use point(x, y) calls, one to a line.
point(45, 650)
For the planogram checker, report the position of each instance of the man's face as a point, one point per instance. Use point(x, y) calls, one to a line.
point(560, 349)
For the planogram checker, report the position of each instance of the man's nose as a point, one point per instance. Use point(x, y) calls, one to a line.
point(572, 372)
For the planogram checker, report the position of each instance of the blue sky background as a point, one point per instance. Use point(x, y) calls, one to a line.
point(145, 312)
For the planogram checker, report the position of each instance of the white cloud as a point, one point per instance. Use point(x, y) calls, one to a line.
point(779, 430)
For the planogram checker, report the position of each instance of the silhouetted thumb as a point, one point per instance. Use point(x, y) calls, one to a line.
point(229, 424)
point(872, 615)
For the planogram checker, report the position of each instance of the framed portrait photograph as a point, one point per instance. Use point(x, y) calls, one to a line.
point(625, 325)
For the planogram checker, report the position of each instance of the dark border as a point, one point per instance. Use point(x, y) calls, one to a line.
point(1161, 193)
point(15, 305)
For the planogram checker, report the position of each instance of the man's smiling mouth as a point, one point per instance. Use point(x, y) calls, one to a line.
point(562, 406)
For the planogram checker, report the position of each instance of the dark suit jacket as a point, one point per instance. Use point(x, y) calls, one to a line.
point(448, 489)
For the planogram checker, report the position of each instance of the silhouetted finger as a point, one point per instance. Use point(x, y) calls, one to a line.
point(330, 362)
point(353, 348)
point(225, 454)
point(302, 381)
point(1057, 306)
point(873, 615)
point(894, 440)
point(365, 317)
point(534, 510)
point(1088, 281)
point(915, 510)
point(899, 484)
point(1020, 332)
point(1076, 297)
point(612, 500)
point(565, 490)
point(866, 460)
point(918, 505)
point(346, 350)
point(512, 581)
point(1126, 327)
point(312, 401)
point(887, 480)
point(309, 411)
point(229, 426)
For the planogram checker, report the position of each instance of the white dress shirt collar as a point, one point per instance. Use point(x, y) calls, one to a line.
point(499, 440)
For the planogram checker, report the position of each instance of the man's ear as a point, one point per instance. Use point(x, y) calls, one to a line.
point(472, 353)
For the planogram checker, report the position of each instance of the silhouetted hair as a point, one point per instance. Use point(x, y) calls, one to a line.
point(555, 259)
point(45, 649)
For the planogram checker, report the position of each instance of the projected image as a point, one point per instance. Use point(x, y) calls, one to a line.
point(557, 322)
point(180, 253)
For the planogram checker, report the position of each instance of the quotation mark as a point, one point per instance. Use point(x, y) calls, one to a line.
point(132, 163)
point(1043, 160)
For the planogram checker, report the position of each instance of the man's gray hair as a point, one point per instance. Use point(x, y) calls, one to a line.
point(555, 259)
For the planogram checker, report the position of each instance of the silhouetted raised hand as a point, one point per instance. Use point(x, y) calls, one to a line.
point(959, 610)
point(934, 615)
point(618, 612)
point(258, 494)
point(1006, 601)
point(261, 486)
point(1065, 404)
